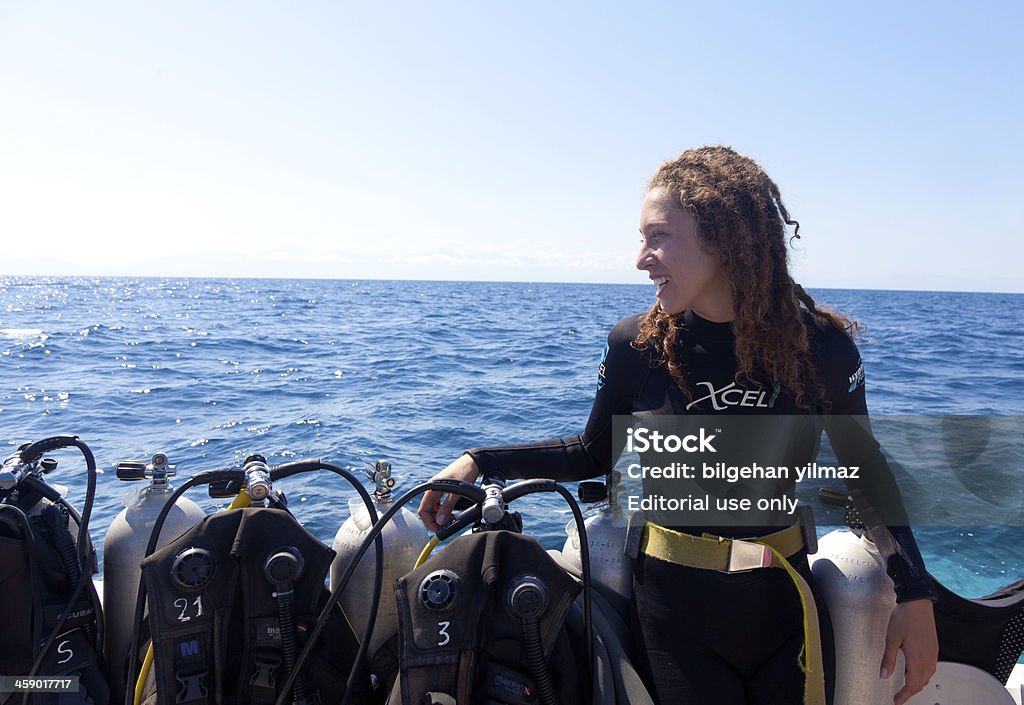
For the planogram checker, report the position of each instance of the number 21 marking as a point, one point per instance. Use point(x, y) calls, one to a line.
point(183, 604)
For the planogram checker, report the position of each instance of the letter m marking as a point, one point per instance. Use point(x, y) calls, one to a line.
point(189, 648)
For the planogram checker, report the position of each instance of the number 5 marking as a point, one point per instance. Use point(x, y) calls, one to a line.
point(62, 649)
point(443, 631)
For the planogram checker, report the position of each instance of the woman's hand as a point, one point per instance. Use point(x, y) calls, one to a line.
point(436, 513)
point(912, 629)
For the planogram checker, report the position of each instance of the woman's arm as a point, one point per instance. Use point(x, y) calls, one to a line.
point(595, 451)
point(569, 459)
point(912, 622)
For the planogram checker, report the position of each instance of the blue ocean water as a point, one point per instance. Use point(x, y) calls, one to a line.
point(212, 370)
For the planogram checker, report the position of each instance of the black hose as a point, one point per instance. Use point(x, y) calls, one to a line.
point(93, 595)
point(29, 454)
point(529, 487)
point(362, 654)
point(463, 488)
point(286, 618)
point(57, 522)
point(536, 663)
point(94, 598)
point(84, 557)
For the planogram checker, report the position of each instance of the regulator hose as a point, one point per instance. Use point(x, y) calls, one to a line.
point(536, 663)
point(282, 569)
point(286, 617)
point(527, 599)
point(30, 454)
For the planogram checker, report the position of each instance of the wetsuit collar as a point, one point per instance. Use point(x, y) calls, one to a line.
point(706, 329)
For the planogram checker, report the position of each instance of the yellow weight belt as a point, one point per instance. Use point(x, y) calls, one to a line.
point(740, 555)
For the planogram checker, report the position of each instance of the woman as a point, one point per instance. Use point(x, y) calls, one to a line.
point(731, 334)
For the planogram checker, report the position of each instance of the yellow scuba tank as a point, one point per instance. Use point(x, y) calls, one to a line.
point(611, 571)
point(124, 547)
point(404, 537)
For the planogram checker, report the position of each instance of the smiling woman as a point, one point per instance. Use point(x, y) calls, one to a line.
point(720, 228)
point(773, 370)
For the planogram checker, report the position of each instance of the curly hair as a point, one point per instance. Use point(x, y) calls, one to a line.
point(741, 217)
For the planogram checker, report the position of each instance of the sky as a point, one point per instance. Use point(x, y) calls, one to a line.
point(511, 141)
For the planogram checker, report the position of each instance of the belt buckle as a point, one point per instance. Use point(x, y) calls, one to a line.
point(745, 556)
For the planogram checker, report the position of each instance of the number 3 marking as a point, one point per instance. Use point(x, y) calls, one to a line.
point(443, 631)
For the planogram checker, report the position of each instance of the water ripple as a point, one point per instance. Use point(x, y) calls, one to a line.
point(212, 370)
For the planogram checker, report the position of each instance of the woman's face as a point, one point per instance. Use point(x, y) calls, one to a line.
point(686, 274)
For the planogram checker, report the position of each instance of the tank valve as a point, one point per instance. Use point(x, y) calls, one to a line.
point(257, 478)
point(384, 482)
point(158, 470)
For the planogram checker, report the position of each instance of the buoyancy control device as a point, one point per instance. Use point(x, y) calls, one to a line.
point(50, 610)
point(482, 622)
point(238, 608)
point(229, 601)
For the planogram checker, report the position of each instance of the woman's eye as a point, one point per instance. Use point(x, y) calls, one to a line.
point(655, 235)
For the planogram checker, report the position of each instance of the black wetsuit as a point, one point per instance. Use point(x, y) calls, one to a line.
point(704, 636)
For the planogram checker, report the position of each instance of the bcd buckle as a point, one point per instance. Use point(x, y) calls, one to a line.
point(266, 671)
point(191, 686)
point(747, 555)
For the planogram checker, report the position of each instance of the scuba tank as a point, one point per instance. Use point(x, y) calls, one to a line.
point(979, 640)
point(124, 547)
point(849, 574)
point(51, 613)
point(404, 538)
point(610, 570)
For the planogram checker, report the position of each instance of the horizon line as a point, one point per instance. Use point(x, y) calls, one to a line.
point(451, 281)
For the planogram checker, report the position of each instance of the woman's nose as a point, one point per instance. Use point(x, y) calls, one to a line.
point(645, 258)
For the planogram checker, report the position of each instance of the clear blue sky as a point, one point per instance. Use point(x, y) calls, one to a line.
point(503, 141)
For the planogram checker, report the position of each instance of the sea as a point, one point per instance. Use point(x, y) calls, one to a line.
point(209, 371)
